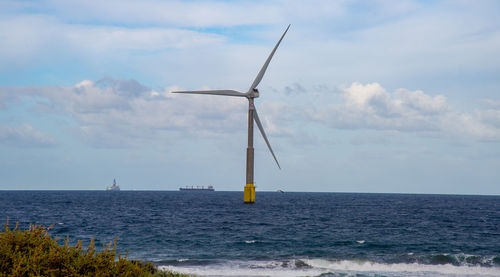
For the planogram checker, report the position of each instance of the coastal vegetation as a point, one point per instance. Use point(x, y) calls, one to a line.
point(33, 252)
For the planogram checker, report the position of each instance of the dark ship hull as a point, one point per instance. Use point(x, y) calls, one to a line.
point(193, 188)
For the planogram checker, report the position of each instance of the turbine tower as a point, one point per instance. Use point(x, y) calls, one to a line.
point(251, 94)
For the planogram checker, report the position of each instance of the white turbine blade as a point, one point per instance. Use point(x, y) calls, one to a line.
point(264, 67)
point(214, 92)
point(257, 120)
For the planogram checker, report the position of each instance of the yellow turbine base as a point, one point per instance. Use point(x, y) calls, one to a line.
point(249, 193)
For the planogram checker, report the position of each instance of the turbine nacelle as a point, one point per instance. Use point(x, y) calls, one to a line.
point(253, 93)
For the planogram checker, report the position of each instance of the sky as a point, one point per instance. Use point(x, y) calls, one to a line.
point(361, 96)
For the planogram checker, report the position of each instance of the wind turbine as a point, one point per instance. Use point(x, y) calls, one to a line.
point(251, 94)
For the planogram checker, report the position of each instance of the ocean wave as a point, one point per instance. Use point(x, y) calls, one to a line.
point(457, 259)
point(404, 269)
point(323, 267)
point(249, 268)
point(460, 260)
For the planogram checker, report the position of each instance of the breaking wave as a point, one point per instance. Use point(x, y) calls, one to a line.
point(323, 267)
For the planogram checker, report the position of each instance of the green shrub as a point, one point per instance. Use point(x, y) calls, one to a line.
point(33, 252)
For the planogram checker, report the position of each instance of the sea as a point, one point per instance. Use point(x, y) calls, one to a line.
point(281, 234)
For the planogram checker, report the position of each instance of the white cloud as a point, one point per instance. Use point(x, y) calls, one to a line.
point(25, 136)
point(398, 43)
point(478, 124)
point(421, 102)
point(491, 117)
point(122, 113)
point(117, 113)
point(374, 100)
point(31, 39)
point(370, 106)
point(144, 39)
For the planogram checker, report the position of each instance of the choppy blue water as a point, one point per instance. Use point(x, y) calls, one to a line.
point(282, 234)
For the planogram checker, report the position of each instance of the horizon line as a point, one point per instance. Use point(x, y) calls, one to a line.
point(266, 191)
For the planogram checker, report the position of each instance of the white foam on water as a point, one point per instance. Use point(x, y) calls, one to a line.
point(316, 267)
point(413, 269)
point(241, 272)
point(360, 241)
point(249, 268)
point(250, 241)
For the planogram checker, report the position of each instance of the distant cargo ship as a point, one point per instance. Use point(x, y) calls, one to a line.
point(114, 187)
point(197, 188)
